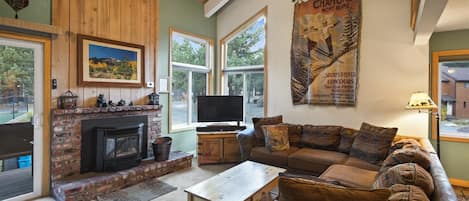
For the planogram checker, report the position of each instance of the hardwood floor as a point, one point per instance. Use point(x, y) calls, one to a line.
point(15, 182)
point(462, 193)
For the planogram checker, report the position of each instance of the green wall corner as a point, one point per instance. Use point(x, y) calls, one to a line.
point(186, 16)
point(38, 11)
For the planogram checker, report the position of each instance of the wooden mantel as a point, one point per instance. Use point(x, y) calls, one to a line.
point(29, 26)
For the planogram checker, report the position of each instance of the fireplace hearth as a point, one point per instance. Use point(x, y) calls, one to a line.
point(118, 148)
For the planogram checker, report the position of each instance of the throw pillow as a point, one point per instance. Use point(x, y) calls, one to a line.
point(407, 174)
point(408, 154)
point(347, 136)
point(276, 137)
point(400, 192)
point(401, 143)
point(258, 122)
point(321, 137)
point(295, 189)
point(372, 143)
point(294, 134)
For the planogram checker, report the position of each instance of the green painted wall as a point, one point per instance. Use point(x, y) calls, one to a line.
point(453, 154)
point(184, 15)
point(38, 11)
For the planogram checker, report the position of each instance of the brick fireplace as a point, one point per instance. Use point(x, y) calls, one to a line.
point(70, 182)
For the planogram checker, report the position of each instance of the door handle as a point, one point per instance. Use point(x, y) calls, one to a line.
point(37, 121)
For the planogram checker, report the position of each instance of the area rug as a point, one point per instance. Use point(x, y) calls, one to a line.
point(144, 191)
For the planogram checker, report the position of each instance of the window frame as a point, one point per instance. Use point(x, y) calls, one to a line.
point(435, 89)
point(224, 70)
point(207, 69)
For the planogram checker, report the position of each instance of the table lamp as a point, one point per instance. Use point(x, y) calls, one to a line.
point(421, 101)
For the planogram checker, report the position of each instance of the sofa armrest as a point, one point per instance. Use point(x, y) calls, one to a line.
point(443, 189)
point(246, 141)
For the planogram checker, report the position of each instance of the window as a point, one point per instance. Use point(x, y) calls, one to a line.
point(190, 67)
point(451, 96)
point(243, 65)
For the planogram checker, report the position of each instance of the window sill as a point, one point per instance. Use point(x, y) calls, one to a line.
point(181, 129)
point(451, 139)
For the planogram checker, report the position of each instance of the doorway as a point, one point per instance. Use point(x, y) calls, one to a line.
point(23, 101)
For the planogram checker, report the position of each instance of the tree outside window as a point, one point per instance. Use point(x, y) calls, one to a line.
point(190, 67)
point(243, 66)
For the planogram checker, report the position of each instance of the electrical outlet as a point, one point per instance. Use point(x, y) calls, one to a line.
point(150, 84)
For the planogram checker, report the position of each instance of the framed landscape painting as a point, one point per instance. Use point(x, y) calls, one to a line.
point(108, 63)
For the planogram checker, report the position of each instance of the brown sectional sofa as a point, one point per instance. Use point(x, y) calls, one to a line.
point(333, 162)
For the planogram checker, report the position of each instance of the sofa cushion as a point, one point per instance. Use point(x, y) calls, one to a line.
point(408, 154)
point(407, 174)
point(372, 143)
point(347, 136)
point(276, 137)
point(321, 137)
point(315, 160)
point(350, 176)
point(296, 189)
point(277, 158)
point(294, 133)
point(308, 177)
point(355, 162)
point(258, 122)
point(400, 192)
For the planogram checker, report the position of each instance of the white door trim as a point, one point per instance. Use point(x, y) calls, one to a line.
point(38, 113)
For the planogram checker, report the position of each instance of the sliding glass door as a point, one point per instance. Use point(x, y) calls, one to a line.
point(21, 111)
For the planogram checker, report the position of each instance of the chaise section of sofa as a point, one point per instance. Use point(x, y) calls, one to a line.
point(330, 164)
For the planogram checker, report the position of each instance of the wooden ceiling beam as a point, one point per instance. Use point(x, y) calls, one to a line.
point(414, 9)
point(429, 13)
point(212, 6)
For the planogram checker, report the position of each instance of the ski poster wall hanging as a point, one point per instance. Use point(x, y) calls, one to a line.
point(325, 52)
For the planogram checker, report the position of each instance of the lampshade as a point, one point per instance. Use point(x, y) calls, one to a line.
point(420, 101)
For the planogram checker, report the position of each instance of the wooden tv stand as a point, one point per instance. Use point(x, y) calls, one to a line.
point(217, 147)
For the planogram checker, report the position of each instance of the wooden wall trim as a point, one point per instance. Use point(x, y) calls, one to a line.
point(414, 10)
point(29, 26)
point(434, 75)
point(459, 182)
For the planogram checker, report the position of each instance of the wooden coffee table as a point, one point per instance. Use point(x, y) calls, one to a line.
point(246, 181)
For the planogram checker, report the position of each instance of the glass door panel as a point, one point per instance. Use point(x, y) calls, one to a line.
point(20, 76)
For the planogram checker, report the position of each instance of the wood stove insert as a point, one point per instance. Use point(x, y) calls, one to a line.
point(113, 144)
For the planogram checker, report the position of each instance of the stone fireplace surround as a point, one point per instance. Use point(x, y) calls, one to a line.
point(66, 181)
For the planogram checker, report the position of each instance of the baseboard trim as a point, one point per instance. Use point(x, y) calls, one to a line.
point(459, 182)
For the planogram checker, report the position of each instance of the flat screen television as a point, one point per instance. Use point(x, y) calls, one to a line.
point(219, 108)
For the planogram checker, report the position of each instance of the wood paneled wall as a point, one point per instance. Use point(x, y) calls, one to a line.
point(132, 21)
